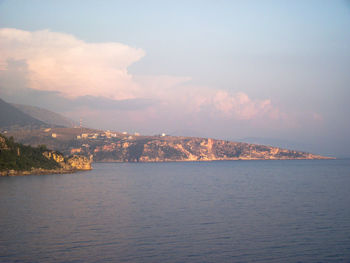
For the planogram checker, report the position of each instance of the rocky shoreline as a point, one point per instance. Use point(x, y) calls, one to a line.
point(178, 149)
point(40, 172)
point(70, 165)
point(19, 159)
point(141, 149)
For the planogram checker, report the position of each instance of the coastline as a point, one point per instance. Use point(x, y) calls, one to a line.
point(40, 172)
point(212, 160)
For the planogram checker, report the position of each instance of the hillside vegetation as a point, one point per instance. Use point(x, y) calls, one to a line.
point(16, 156)
point(19, 159)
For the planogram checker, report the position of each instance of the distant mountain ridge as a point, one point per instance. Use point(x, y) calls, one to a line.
point(26, 117)
point(44, 115)
point(10, 116)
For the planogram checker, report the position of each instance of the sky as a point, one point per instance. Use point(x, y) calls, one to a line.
point(272, 72)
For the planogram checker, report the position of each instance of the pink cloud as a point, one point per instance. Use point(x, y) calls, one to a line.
point(60, 62)
point(240, 106)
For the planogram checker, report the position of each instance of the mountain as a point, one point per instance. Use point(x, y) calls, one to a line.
point(106, 146)
point(11, 117)
point(19, 159)
point(25, 117)
point(44, 115)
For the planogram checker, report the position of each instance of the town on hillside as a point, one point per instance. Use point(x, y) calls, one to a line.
point(110, 146)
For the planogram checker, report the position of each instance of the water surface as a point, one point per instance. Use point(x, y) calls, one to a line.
point(227, 211)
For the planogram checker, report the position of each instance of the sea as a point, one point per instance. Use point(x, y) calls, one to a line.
point(221, 211)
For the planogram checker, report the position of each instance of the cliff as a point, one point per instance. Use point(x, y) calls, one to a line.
point(18, 159)
point(72, 163)
point(79, 162)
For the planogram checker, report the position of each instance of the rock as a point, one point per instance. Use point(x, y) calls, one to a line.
point(79, 162)
point(75, 162)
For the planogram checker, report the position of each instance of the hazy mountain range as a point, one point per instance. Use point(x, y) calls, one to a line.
point(12, 117)
point(46, 116)
point(18, 116)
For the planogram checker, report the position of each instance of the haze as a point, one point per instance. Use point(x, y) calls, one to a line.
point(274, 72)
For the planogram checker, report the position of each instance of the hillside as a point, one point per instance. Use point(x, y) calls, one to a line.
point(108, 146)
point(16, 158)
point(42, 127)
point(191, 149)
point(46, 116)
point(11, 117)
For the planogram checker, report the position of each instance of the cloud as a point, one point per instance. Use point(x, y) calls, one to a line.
point(61, 62)
point(96, 75)
point(239, 105)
